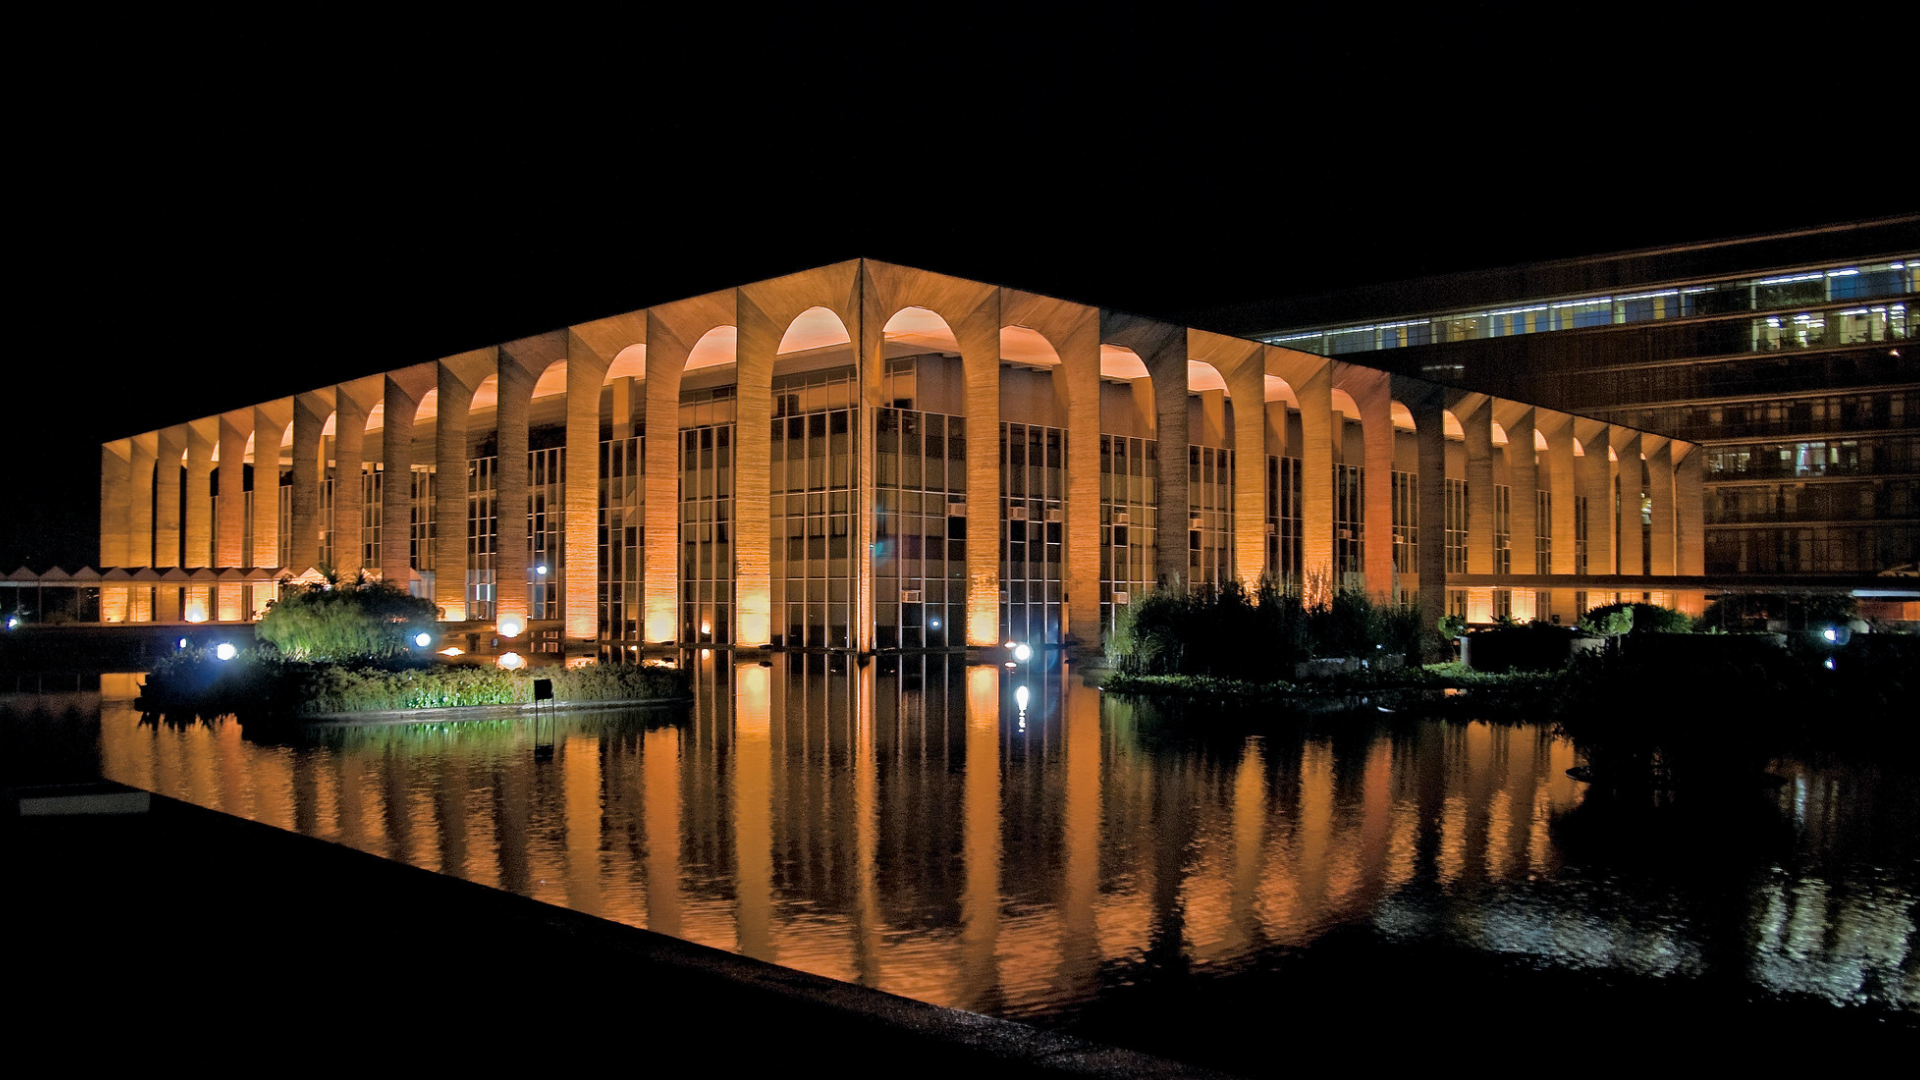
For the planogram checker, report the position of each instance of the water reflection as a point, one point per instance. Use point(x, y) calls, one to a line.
point(903, 825)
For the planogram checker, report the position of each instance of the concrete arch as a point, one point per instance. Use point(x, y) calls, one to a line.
point(672, 331)
point(606, 351)
point(404, 398)
point(1163, 351)
point(458, 380)
point(1366, 394)
point(354, 403)
point(1311, 379)
point(1072, 331)
point(972, 314)
point(816, 328)
point(522, 367)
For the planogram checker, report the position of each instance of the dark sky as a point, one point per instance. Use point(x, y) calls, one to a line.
point(210, 220)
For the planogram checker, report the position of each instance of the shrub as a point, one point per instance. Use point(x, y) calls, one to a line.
point(360, 621)
point(1228, 633)
point(1645, 619)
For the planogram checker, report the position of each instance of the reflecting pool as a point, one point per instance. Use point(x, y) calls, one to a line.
point(905, 824)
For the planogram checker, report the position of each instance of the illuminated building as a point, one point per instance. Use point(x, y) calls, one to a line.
point(1786, 357)
point(870, 456)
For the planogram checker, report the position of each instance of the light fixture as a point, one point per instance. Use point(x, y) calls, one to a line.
point(225, 650)
point(452, 650)
point(510, 627)
point(1023, 653)
point(541, 569)
point(1020, 698)
point(183, 643)
point(512, 661)
point(423, 639)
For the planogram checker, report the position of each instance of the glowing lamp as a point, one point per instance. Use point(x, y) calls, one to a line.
point(183, 643)
point(541, 570)
point(452, 650)
point(1829, 634)
point(1011, 644)
point(511, 661)
point(225, 650)
point(423, 639)
point(1011, 665)
point(1023, 653)
point(510, 627)
point(935, 623)
point(1020, 698)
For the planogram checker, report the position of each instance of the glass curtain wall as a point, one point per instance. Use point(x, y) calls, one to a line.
point(1129, 475)
point(920, 520)
point(546, 525)
point(1283, 523)
point(1033, 515)
point(482, 536)
point(622, 541)
point(706, 514)
point(1209, 516)
point(814, 458)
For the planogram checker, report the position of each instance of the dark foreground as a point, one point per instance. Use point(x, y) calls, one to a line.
point(187, 936)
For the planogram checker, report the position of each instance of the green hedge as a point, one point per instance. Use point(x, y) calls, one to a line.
point(261, 684)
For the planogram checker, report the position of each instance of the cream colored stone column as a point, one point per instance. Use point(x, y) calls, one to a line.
point(1239, 363)
point(1627, 445)
point(400, 393)
point(759, 340)
point(1076, 337)
point(270, 422)
point(458, 377)
point(1690, 510)
point(166, 501)
point(1594, 473)
point(1560, 484)
point(1311, 378)
point(672, 331)
point(142, 460)
point(521, 363)
point(590, 352)
point(1476, 422)
point(230, 537)
point(310, 412)
point(1427, 403)
point(1523, 481)
point(978, 331)
point(202, 436)
point(1370, 391)
point(116, 513)
point(1660, 488)
point(352, 401)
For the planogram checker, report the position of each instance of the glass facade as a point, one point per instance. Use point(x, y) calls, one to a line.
point(1033, 525)
point(920, 529)
point(814, 473)
point(1283, 523)
point(1129, 522)
point(622, 544)
point(1209, 516)
point(706, 515)
point(1791, 380)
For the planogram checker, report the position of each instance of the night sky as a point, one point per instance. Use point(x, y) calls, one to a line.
point(204, 222)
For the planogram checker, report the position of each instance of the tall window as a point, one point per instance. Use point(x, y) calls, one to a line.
point(1457, 527)
point(622, 545)
point(814, 471)
point(920, 529)
point(483, 534)
point(546, 527)
point(1033, 522)
point(1209, 515)
point(1406, 523)
point(1543, 533)
point(1503, 530)
point(1580, 535)
point(1283, 522)
point(1349, 526)
point(1129, 523)
point(706, 514)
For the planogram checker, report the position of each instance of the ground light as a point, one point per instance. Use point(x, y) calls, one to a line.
point(512, 661)
point(225, 650)
point(510, 628)
point(423, 639)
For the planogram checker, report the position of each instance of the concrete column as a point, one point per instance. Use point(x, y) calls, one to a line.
point(1476, 422)
point(1523, 481)
point(520, 365)
point(1427, 403)
point(116, 540)
point(1079, 349)
point(1627, 445)
point(352, 403)
point(1167, 370)
point(978, 332)
point(1247, 385)
point(1690, 511)
point(756, 346)
point(401, 393)
point(1311, 378)
point(586, 371)
point(458, 377)
point(1593, 474)
point(202, 437)
point(1660, 487)
point(310, 412)
point(167, 489)
point(666, 358)
point(269, 427)
point(1560, 482)
point(142, 478)
point(230, 604)
point(1370, 391)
